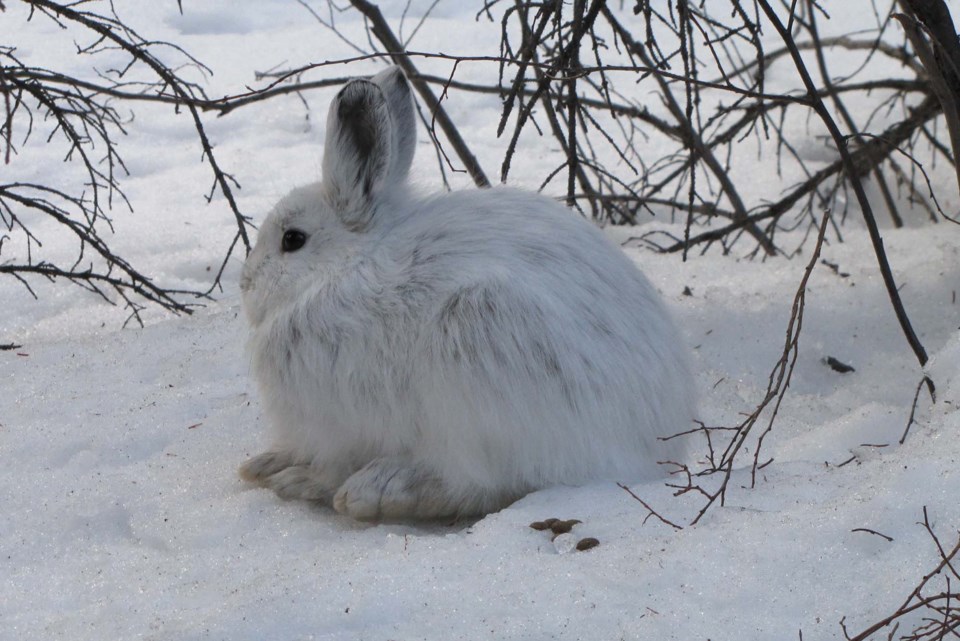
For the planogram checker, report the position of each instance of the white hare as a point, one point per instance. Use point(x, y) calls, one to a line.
point(423, 358)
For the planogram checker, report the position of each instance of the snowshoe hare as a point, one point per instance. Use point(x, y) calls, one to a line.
point(425, 358)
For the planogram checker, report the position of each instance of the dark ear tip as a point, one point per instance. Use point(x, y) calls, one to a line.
point(357, 88)
point(358, 94)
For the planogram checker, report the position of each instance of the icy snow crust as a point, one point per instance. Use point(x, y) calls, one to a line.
point(122, 516)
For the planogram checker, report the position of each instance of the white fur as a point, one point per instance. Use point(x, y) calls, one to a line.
point(433, 357)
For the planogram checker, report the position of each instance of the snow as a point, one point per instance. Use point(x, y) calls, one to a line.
point(123, 516)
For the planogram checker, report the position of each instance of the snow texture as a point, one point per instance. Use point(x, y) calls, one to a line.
point(123, 517)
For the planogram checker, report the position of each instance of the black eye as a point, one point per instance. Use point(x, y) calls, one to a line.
point(293, 240)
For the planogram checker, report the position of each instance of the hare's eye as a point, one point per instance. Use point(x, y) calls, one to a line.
point(293, 240)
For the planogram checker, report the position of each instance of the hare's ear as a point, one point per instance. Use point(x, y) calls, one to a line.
point(396, 90)
point(358, 151)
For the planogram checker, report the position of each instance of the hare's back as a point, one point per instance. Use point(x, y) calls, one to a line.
point(522, 239)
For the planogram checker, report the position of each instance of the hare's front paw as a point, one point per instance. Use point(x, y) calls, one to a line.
point(393, 489)
point(302, 482)
point(280, 472)
point(263, 466)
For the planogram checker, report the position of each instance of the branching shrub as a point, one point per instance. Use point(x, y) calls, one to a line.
point(81, 117)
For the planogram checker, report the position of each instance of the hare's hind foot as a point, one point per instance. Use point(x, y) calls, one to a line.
point(394, 489)
point(389, 489)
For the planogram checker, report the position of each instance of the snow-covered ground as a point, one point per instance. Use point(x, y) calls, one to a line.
point(121, 515)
